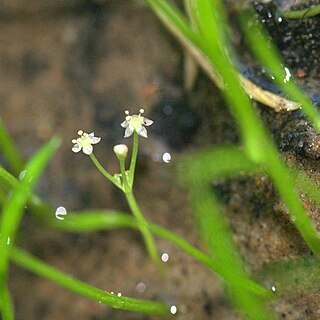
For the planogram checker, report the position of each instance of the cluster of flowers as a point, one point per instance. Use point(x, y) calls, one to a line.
point(134, 123)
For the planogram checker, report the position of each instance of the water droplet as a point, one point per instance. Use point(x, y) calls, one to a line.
point(22, 174)
point(141, 287)
point(173, 309)
point(166, 157)
point(165, 257)
point(288, 75)
point(60, 212)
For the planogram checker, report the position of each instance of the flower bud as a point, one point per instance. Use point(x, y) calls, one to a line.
point(121, 151)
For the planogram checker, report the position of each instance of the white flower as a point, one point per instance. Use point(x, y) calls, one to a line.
point(121, 151)
point(136, 123)
point(85, 142)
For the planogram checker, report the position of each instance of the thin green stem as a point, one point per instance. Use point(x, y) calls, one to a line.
point(127, 187)
point(104, 171)
point(38, 267)
point(133, 158)
point(144, 228)
point(6, 304)
point(301, 14)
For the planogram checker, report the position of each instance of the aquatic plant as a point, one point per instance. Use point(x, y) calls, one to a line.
point(203, 34)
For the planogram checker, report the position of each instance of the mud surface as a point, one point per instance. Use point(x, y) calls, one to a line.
point(71, 65)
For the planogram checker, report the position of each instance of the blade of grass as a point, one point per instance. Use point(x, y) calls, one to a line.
point(6, 306)
point(9, 150)
point(214, 230)
point(265, 51)
point(13, 208)
point(7, 180)
point(190, 66)
point(207, 165)
point(38, 267)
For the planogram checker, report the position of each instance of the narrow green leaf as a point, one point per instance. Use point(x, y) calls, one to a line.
point(6, 306)
point(13, 208)
point(38, 267)
point(9, 150)
point(206, 165)
point(93, 221)
point(7, 180)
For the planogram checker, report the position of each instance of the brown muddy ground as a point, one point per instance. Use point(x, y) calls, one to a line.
point(70, 65)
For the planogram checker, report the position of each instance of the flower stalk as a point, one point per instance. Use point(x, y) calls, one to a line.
point(104, 171)
point(143, 226)
point(134, 125)
point(133, 157)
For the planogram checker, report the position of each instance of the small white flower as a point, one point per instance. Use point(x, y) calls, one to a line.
point(121, 151)
point(136, 123)
point(85, 142)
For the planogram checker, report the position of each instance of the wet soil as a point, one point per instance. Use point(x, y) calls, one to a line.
point(70, 65)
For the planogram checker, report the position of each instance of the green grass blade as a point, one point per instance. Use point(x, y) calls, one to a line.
point(214, 230)
point(266, 52)
point(6, 306)
point(93, 221)
point(7, 180)
point(10, 151)
point(38, 267)
point(207, 165)
point(13, 208)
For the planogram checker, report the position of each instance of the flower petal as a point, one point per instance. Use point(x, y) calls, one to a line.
point(147, 122)
point(128, 132)
point(88, 149)
point(95, 140)
point(142, 131)
point(124, 124)
point(76, 148)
